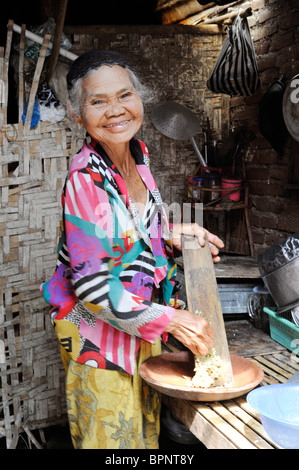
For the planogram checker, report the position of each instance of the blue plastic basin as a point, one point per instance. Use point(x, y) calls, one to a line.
point(278, 407)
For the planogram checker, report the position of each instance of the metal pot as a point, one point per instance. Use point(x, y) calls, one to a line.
point(283, 285)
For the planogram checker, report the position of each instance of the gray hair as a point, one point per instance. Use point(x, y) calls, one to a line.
point(145, 93)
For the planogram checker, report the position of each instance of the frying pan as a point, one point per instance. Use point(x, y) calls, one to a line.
point(177, 122)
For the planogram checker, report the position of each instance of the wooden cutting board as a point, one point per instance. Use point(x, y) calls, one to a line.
point(202, 296)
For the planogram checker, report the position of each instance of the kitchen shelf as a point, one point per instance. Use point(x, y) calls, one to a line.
point(224, 204)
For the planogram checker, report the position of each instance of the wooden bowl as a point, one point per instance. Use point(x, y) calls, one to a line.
point(166, 373)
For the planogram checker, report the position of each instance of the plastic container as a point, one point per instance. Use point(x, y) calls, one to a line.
point(283, 330)
point(212, 181)
point(230, 184)
point(278, 407)
point(177, 304)
point(194, 185)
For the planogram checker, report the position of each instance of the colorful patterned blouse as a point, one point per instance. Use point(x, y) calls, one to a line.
point(112, 264)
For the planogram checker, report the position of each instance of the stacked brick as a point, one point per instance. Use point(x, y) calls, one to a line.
point(273, 179)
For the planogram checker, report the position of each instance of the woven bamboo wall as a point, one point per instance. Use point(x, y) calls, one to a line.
point(33, 166)
point(33, 170)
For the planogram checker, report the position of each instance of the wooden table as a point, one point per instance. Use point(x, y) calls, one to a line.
point(232, 267)
point(233, 424)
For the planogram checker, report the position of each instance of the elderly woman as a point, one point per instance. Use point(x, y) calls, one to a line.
point(115, 270)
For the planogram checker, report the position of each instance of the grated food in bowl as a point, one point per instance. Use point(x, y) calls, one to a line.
point(207, 370)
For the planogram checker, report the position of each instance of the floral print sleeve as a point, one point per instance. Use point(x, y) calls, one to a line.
point(110, 260)
point(96, 275)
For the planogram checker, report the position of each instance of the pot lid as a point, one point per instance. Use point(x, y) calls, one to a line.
point(270, 116)
point(175, 120)
point(290, 107)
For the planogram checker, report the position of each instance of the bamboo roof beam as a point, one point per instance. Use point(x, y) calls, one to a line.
point(173, 11)
point(228, 16)
point(209, 13)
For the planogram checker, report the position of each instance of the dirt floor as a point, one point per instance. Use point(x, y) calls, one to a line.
point(58, 438)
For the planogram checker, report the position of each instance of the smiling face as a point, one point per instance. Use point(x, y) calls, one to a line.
point(111, 109)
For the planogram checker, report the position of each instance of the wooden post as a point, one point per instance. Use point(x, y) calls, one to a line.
point(57, 38)
point(5, 71)
point(2, 86)
point(21, 73)
point(34, 85)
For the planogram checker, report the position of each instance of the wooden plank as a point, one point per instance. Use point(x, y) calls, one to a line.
point(277, 368)
point(256, 424)
point(203, 296)
point(213, 417)
point(237, 267)
point(2, 91)
point(206, 14)
point(259, 437)
point(5, 71)
point(233, 267)
point(241, 425)
point(60, 16)
point(229, 16)
point(290, 362)
point(21, 73)
point(270, 373)
point(35, 82)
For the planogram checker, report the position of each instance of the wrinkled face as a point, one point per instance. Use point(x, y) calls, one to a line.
point(111, 110)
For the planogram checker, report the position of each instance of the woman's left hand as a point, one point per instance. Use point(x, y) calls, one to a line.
point(202, 235)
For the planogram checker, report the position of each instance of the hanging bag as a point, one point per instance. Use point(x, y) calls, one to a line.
point(235, 71)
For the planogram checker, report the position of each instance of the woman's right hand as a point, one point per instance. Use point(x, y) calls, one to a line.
point(192, 330)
